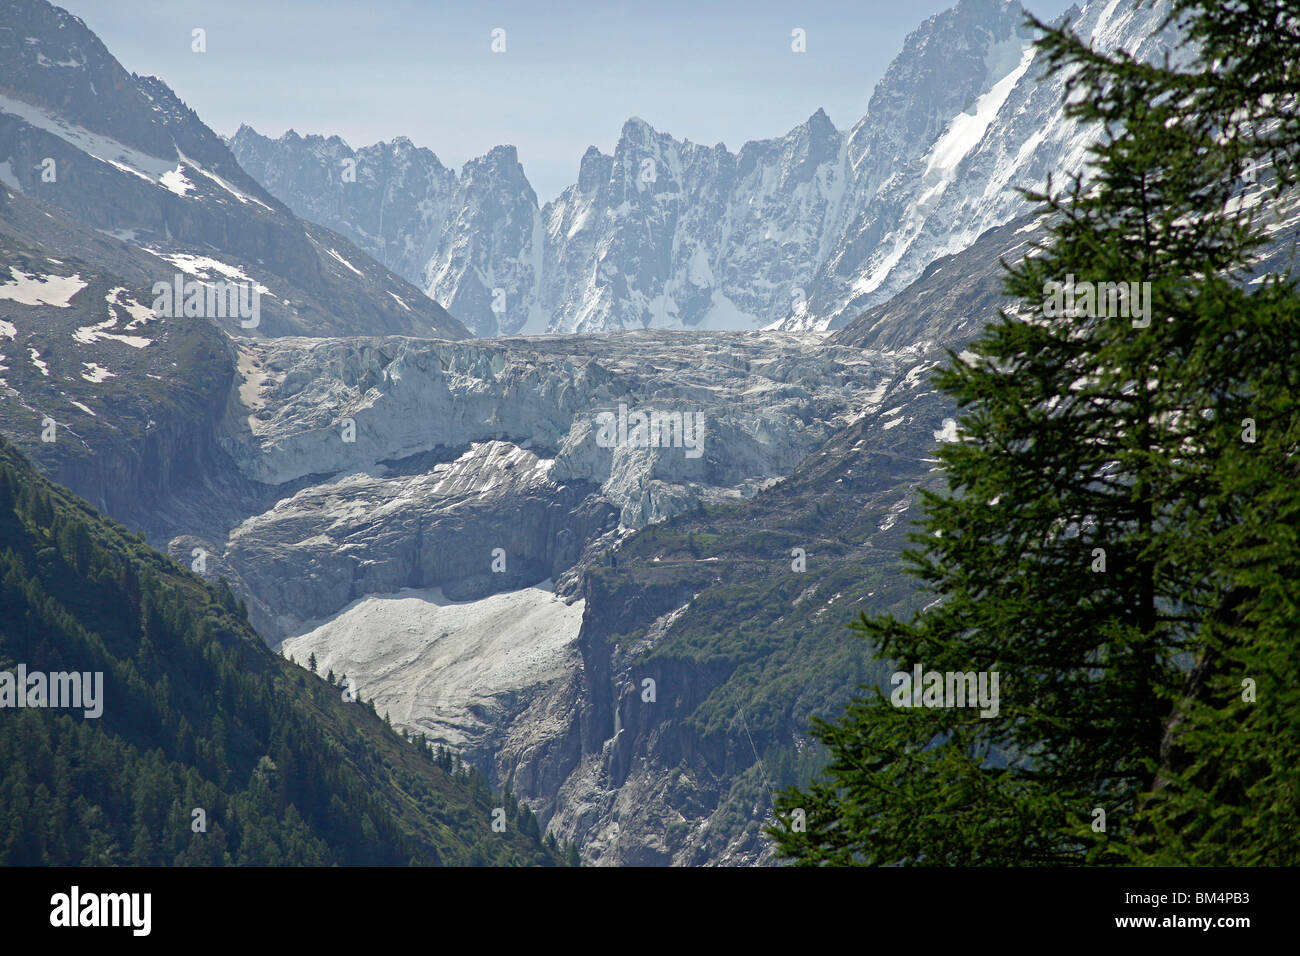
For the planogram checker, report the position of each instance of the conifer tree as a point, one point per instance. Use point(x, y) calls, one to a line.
point(1227, 782)
point(1107, 519)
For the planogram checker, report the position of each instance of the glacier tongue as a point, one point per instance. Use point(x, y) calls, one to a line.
point(451, 670)
point(410, 558)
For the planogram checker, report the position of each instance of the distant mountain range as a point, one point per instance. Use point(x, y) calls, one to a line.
point(803, 231)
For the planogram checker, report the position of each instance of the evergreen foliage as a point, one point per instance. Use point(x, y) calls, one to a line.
point(1118, 540)
point(199, 715)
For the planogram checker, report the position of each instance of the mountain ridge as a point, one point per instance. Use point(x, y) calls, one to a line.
point(800, 231)
point(123, 154)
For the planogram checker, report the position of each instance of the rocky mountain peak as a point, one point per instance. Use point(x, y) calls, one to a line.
point(593, 170)
point(818, 137)
point(497, 169)
point(636, 130)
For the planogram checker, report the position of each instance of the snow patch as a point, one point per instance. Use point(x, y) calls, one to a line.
point(175, 181)
point(967, 129)
point(8, 178)
point(895, 512)
point(237, 193)
point(203, 267)
point(724, 315)
point(90, 334)
point(948, 432)
point(346, 263)
point(95, 372)
point(35, 289)
point(103, 148)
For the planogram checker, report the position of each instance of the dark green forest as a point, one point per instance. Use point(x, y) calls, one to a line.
point(211, 750)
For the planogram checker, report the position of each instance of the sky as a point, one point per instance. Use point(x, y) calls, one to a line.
point(570, 75)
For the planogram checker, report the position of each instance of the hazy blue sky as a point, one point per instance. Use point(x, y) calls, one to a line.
point(572, 73)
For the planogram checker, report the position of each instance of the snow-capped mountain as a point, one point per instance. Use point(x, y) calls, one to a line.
point(804, 231)
point(488, 266)
point(391, 199)
point(122, 154)
point(961, 177)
